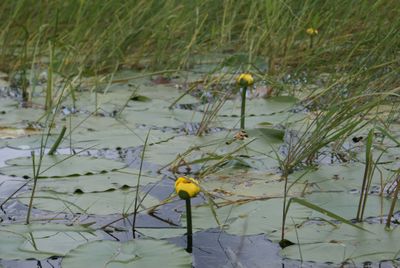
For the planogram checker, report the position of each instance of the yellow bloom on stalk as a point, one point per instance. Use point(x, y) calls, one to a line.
point(186, 188)
point(311, 31)
point(245, 79)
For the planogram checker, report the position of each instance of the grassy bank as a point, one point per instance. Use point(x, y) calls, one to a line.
point(96, 36)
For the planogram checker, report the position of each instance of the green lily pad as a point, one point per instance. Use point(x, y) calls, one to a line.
point(259, 121)
point(346, 204)
point(60, 166)
point(256, 217)
point(119, 201)
point(118, 138)
point(40, 241)
point(326, 243)
point(28, 142)
point(216, 146)
point(135, 253)
point(98, 182)
point(342, 177)
point(237, 184)
point(161, 233)
point(258, 106)
point(20, 117)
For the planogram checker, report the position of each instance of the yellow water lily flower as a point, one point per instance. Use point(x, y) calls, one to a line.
point(186, 187)
point(312, 31)
point(245, 79)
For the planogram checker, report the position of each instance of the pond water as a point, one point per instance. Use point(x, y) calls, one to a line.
point(85, 193)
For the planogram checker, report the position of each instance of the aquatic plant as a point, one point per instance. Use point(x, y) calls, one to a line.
point(187, 188)
point(244, 80)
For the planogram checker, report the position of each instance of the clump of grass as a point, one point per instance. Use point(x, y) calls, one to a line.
point(157, 34)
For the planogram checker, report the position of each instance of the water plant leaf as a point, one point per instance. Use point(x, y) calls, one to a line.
point(337, 177)
point(118, 201)
point(257, 107)
point(40, 241)
point(122, 178)
point(327, 243)
point(345, 204)
point(134, 253)
point(256, 217)
point(237, 184)
point(322, 211)
point(60, 166)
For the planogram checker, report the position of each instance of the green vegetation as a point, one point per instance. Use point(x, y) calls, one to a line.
point(154, 85)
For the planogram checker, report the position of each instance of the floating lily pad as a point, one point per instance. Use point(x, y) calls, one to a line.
point(118, 138)
point(256, 217)
point(60, 166)
point(122, 178)
point(342, 177)
point(40, 241)
point(119, 201)
point(30, 142)
point(236, 184)
point(161, 116)
point(216, 146)
point(162, 233)
point(135, 253)
point(326, 243)
point(259, 121)
point(346, 204)
point(258, 106)
point(20, 117)
point(202, 146)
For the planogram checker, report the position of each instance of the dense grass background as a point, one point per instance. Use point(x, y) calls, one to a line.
point(96, 36)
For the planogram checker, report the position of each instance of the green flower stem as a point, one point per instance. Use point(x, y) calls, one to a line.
point(189, 226)
point(243, 107)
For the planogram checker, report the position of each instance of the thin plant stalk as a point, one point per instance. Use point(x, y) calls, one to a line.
point(49, 89)
point(243, 107)
point(394, 201)
point(35, 176)
point(367, 177)
point(136, 206)
point(189, 234)
point(58, 141)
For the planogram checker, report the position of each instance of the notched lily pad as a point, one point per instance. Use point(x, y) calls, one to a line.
point(40, 241)
point(135, 253)
point(343, 243)
point(120, 201)
point(121, 179)
point(59, 166)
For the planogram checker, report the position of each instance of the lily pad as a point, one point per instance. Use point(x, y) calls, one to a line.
point(327, 243)
point(236, 184)
point(217, 146)
point(119, 201)
point(60, 166)
point(256, 217)
point(138, 252)
point(20, 117)
point(122, 178)
point(343, 177)
point(258, 106)
point(40, 241)
point(346, 204)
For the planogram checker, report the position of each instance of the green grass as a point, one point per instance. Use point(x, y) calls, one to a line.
point(96, 36)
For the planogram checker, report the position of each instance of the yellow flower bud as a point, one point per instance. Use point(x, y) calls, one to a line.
point(187, 188)
point(245, 80)
point(311, 31)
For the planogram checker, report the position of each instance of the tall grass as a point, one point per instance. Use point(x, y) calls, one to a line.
point(95, 36)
